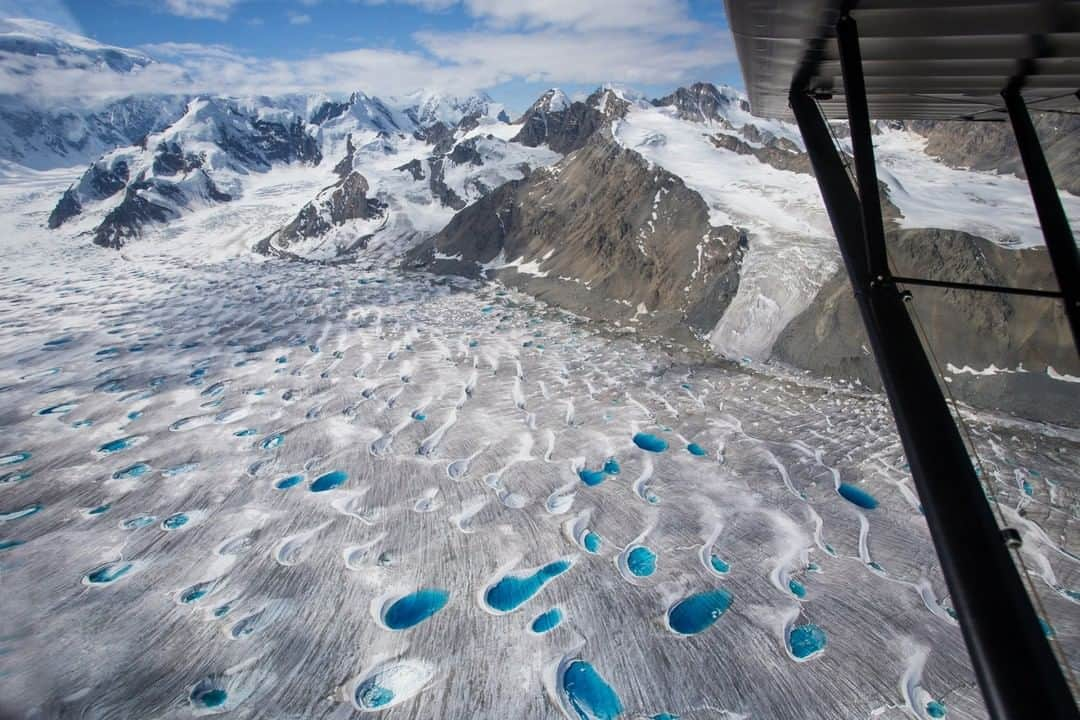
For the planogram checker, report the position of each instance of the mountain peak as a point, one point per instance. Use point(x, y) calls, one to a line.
point(36, 38)
point(551, 101)
point(705, 102)
point(428, 107)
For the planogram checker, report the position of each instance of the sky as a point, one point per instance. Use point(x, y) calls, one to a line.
point(512, 49)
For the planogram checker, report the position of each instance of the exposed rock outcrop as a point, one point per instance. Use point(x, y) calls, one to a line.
point(565, 126)
point(703, 102)
point(184, 166)
point(336, 205)
point(103, 179)
point(991, 146)
point(602, 234)
point(774, 152)
point(414, 167)
point(155, 200)
point(972, 330)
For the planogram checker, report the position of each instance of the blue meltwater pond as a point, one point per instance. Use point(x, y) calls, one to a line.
point(591, 542)
point(132, 471)
point(591, 477)
point(588, 695)
point(857, 496)
point(175, 522)
point(650, 442)
point(698, 612)
point(329, 481)
point(641, 561)
point(547, 621)
point(108, 573)
point(288, 482)
point(415, 608)
point(116, 445)
point(806, 641)
point(514, 591)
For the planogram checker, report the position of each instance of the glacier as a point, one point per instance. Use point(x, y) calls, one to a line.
point(220, 471)
point(313, 481)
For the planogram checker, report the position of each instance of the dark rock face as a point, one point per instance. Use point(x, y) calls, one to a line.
point(443, 192)
point(414, 168)
point(991, 146)
point(140, 208)
point(170, 159)
point(607, 234)
point(773, 153)
point(970, 329)
point(345, 165)
point(123, 222)
point(67, 208)
point(328, 111)
point(470, 122)
point(563, 130)
point(104, 179)
point(343, 201)
point(273, 142)
point(701, 102)
point(349, 201)
point(440, 135)
point(465, 153)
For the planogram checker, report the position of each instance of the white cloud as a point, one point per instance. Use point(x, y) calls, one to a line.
point(425, 4)
point(299, 19)
point(457, 62)
point(201, 9)
point(47, 78)
point(53, 11)
point(652, 16)
point(187, 52)
point(573, 57)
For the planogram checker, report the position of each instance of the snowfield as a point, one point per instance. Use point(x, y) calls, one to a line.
point(276, 489)
point(323, 486)
point(791, 247)
point(930, 194)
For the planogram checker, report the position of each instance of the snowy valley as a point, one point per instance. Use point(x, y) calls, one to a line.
point(315, 406)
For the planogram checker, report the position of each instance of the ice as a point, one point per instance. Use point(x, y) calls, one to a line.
point(933, 195)
point(257, 603)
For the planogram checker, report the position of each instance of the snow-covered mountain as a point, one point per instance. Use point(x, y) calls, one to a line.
point(684, 216)
point(397, 167)
point(31, 45)
point(200, 159)
point(318, 405)
point(42, 130)
point(755, 274)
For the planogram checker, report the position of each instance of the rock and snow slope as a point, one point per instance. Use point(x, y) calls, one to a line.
point(572, 202)
point(603, 233)
point(417, 175)
point(386, 173)
point(242, 485)
point(43, 131)
point(222, 473)
point(200, 159)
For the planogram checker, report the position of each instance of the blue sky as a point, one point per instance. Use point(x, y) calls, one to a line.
point(513, 49)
